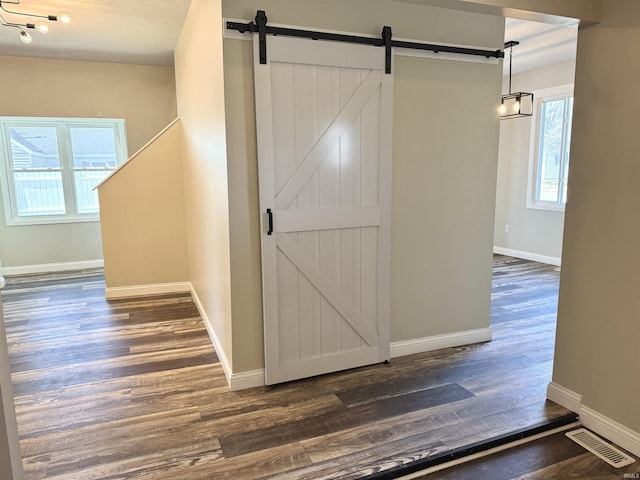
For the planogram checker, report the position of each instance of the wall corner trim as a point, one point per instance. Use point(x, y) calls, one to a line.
point(534, 257)
point(244, 380)
point(613, 431)
point(427, 344)
point(236, 381)
point(112, 293)
point(564, 397)
point(222, 356)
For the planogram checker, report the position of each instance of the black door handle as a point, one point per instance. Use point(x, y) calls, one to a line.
point(270, 221)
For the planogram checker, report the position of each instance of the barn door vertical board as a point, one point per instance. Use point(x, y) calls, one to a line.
point(324, 118)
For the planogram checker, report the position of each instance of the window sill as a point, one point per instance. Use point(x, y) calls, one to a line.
point(546, 207)
point(52, 221)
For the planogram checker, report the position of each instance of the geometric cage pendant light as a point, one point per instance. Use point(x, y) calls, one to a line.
point(518, 104)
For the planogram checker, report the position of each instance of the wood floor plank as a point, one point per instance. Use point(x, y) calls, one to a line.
point(274, 463)
point(450, 423)
point(340, 419)
point(34, 381)
point(133, 389)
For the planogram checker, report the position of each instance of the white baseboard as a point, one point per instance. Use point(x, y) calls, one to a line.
point(112, 293)
point(534, 257)
point(613, 431)
point(564, 397)
point(243, 380)
point(255, 378)
point(222, 356)
point(426, 344)
point(52, 267)
point(236, 381)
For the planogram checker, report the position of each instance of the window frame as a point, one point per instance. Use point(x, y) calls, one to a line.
point(541, 96)
point(63, 128)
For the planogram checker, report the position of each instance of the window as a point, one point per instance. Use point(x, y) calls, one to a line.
point(52, 164)
point(550, 140)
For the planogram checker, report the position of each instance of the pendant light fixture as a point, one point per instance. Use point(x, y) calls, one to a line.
point(41, 26)
point(518, 104)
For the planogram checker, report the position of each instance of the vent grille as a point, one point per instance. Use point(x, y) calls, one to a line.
point(600, 448)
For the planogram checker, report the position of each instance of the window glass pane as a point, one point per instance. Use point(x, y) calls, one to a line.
point(93, 147)
point(34, 147)
point(86, 197)
point(550, 157)
point(39, 193)
point(53, 165)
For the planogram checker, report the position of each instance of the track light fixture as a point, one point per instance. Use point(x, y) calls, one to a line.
point(519, 104)
point(41, 26)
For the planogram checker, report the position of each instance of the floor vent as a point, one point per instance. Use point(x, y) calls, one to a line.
point(600, 448)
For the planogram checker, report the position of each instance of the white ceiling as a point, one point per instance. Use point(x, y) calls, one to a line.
point(128, 31)
point(540, 44)
point(145, 32)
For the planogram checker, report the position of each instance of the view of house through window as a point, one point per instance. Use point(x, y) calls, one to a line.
point(550, 160)
point(52, 166)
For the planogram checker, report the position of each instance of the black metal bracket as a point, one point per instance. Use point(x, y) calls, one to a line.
point(386, 38)
point(269, 221)
point(260, 26)
point(261, 21)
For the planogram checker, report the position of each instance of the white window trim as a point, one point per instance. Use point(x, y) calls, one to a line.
point(534, 144)
point(6, 185)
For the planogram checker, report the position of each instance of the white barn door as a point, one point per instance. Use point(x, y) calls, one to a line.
point(324, 116)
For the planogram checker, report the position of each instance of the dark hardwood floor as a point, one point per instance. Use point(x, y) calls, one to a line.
point(133, 389)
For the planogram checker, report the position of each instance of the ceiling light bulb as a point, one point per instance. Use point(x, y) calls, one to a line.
point(25, 37)
point(64, 18)
point(516, 106)
point(502, 109)
point(42, 27)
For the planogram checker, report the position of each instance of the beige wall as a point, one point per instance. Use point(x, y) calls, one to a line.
point(537, 232)
point(598, 336)
point(444, 175)
point(444, 188)
point(142, 216)
point(143, 95)
point(244, 210)
point(200, 93)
